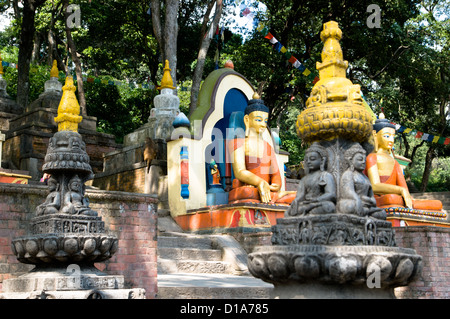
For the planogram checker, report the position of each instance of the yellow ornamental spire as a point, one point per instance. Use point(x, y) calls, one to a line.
point(335, 107)
point(68, 109)
point(166, 82)
point(54, 71)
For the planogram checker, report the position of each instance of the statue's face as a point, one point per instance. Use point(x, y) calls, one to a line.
point(75, 186)
point(313, 161)
point(257, 121)
point(385, 138)
point(359, 161)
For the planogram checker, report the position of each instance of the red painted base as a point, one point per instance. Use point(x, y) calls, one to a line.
point(13, 178)
point(225, 217)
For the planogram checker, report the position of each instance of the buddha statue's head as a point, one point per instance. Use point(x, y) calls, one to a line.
point(256, 116)
point(315, 158)
point(384, 133)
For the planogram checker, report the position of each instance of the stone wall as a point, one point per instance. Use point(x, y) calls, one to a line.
point(433, 244)
point(130, 178)
point(131, 217)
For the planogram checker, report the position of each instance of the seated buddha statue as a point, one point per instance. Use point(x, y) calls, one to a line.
point(386, 174)
point(256, 172)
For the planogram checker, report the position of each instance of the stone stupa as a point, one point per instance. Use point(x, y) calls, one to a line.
point(67, 237)
point(334, 242)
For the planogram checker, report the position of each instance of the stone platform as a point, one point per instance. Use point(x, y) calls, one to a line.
point(70, 282)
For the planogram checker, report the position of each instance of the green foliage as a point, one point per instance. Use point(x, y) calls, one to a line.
point(404, 63)
point(119, 109)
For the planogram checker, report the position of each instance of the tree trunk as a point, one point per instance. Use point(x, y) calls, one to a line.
point(171, 36)
point(204, 46)
point(25, 50)
point(36, 48)
point(428, 165)
point(166, 32)
point(76, 60)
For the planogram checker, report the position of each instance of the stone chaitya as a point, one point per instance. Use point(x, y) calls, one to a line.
point(334, 242)
point(67, 237)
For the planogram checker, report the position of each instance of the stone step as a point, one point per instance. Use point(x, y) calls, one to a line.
point(189, 253)
point(170, 266)
point(211, 286)
point(184, 242)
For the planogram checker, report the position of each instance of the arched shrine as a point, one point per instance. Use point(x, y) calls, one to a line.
point(199, 163)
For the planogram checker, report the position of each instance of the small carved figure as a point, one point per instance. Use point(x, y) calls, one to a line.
point(74, 201)
point(356, 190)
point(215, 173)
point(316, 192)
point(52, 203)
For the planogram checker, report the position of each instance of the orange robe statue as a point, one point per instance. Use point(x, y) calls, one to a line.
point(386, 175)
point(257, 177)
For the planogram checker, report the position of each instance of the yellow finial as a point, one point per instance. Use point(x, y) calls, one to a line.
point(68, 109)
point(1, 65)
point(255, 96)
point(166, 82)
point(333, 64)
point(54, 71)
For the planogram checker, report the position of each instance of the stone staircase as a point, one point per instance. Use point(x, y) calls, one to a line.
point(192, 266)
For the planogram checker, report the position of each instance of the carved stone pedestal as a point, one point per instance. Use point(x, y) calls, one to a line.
point(325, 271)
point(67, 237)
point(70, 282)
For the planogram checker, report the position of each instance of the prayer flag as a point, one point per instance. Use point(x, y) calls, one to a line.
point(301, 67)
point(447, 140)
point(430, 138)
point(283, 49)
point(278, 46)
point(268, 36)
point(425, 136)
point(260, 27)
point(401, 129)
point(441, 140)
point(292, 59)
point(273, 40)
point(436, 139)
point(265, 31)
point(419, 134)
point(316, 79)
point(407, 130)
point(306, 72)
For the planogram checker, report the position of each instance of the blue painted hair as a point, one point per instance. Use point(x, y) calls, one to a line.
point(256, 105)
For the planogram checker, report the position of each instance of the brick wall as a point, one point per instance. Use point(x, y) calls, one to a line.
point(131, 179)
point(131, 217)
point(433, 244)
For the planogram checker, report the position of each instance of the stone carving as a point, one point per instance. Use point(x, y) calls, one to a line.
point(332, 229)
point(334, 237)
point(357, 196)
point(316, 193)
point(66, 234)
point(335, 264)
point(68, 165)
